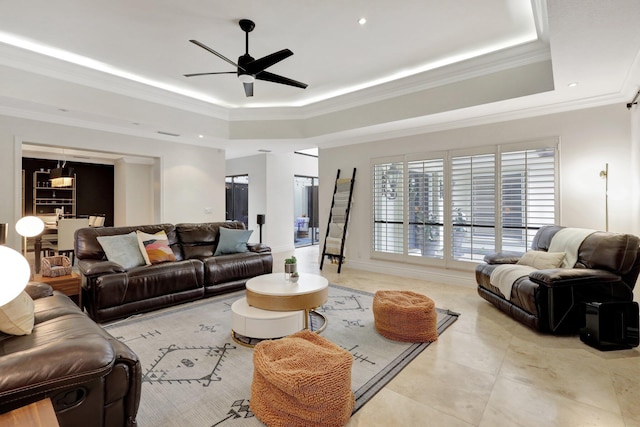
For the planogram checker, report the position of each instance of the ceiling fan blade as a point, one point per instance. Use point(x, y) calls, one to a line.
point(207, 74)
point(263, 63)
point(219, 55)
point(248, 89)
point(274, 78)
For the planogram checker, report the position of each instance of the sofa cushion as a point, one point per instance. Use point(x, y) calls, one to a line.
point(542, 260)
point(232, 241)
point(155, 247)
point(229, 268)
point(122, 249)
point(16, 316)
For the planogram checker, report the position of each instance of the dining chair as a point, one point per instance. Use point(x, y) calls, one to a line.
point(66, 231)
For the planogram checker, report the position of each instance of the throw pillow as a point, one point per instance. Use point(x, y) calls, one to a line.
point(232, 241)
point(542, 260)
point(122, 249)
point(17, 316)
point(155, 247)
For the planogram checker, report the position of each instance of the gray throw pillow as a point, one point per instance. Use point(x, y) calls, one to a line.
point(232, 241)
point(122, 249)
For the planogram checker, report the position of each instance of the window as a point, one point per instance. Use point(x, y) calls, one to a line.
point(492, 200)
point(473, 206)
point(237, 198)
point(425, 231)
point(388, 207)
point(528, 195)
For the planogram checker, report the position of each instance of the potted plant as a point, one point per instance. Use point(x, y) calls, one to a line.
point(294, 276)
point(290, 265)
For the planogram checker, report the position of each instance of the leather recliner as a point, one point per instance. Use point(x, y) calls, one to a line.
point(91, 378)
point(110, 292)
point(553, 300)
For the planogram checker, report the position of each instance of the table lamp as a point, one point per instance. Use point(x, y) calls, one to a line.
point(29, 226)
point(15, 274)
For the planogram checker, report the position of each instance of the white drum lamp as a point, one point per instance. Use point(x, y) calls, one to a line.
point(28, 226)
point(15, 274)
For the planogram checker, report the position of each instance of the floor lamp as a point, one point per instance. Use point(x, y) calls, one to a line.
point(3, 232)
point(605, 174)
point(15, 274)
point(28, 226)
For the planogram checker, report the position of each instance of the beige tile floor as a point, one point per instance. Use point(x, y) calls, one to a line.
point(488, 370)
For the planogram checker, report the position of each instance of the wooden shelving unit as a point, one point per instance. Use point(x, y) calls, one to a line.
point(47, 199)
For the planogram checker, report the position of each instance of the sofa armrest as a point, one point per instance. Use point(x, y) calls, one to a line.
point(64, 363)
point(557, 277)
point(92, 267)
point(258, 247)
point(506, 257)
point(38, 290)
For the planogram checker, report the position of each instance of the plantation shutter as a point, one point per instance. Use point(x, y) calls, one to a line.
point(388, 207)
point(425, 210)
point(527, 195)
point(473, 197)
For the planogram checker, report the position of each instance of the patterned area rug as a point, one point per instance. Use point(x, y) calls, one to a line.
point(196, 375)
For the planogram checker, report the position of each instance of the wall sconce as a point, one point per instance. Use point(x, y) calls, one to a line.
point(605, 174)
point(28, 226)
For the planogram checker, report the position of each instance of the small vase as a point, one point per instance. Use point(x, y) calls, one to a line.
point(290, 268)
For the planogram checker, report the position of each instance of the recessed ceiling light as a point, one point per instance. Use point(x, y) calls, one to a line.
point(573, 84)
point(362, 21)
point(200, 136)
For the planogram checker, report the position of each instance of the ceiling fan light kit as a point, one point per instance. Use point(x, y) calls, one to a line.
point(249, 69)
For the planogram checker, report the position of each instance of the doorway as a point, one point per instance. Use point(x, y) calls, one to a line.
point(237, 198)
point(305, 211)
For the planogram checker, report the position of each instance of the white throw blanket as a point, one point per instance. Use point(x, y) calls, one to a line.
point(568, 240)
point(503, 276)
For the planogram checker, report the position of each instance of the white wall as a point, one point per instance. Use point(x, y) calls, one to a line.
point(133, 193)
point(271, 192)
point(588, 139)
point(186, 179)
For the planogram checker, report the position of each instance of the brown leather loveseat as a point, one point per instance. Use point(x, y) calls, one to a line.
point(111, 292)
point(604, 268)
point(91, 378)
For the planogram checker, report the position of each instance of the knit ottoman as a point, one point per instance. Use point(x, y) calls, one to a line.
point(405, 316)
point(301, 380)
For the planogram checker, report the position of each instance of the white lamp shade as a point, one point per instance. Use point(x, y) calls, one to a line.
point(15, 274)
point(29, 226)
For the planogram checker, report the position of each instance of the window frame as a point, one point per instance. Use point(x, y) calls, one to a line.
point(447, 259)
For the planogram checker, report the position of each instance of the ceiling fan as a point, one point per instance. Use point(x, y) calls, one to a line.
point(249, 69)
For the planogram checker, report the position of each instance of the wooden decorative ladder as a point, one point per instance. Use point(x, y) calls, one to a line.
point(338, 220)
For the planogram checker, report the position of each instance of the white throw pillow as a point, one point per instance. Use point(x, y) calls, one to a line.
point(17, 316)
point(542, 260)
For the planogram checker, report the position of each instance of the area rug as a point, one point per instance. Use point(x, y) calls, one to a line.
point(196, 375)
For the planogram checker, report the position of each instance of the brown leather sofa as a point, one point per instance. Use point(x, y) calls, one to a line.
point(110, 292)
point(553, 300)
point(91, 378)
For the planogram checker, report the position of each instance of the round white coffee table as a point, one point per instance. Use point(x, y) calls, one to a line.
point(263, 324)
point(274, 292)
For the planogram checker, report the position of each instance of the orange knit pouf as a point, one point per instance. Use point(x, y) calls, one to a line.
point(405, 316)
point(301, 380)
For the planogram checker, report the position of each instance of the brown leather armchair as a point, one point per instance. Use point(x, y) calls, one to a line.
point(553, 300)
point(91, 378)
